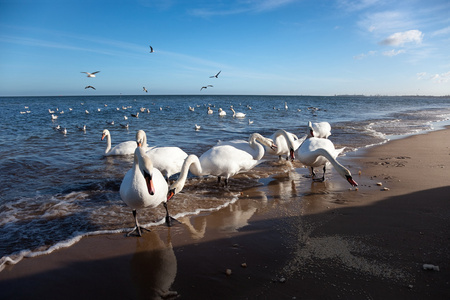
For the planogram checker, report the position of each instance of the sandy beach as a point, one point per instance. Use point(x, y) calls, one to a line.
point(287, 238)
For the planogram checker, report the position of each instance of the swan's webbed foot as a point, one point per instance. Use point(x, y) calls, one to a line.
point(322, 179)
point(170, 220)
point(137, 231)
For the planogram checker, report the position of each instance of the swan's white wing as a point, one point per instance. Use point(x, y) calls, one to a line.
point(168, 160)
point(226, 160)
point(125, 148)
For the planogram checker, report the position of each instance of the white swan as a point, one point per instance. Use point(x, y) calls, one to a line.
point(222, 113)
point(316, 152)
point(124, 148)
point(319, 130)
point(287, 143)
point(143, 186)
point(210, 111)
point(168, 160)
point(191, 163)
point(229, 158)
point(237, 115)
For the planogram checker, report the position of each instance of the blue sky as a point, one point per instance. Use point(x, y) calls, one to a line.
point(284, 47)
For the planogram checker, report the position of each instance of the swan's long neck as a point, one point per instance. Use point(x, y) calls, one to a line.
point(191, 163)
point(234, 113)
point(287, 136)
point(142, 160)
point(259, 149)
point(289, 141)
point(108, 143)
point(337, 166)
point(141, 139)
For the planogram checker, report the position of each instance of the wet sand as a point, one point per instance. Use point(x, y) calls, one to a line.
point(287, 238)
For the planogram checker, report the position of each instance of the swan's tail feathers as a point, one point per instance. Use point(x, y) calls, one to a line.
point(339, 151)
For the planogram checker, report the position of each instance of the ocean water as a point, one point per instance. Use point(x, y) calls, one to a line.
point(56, 188)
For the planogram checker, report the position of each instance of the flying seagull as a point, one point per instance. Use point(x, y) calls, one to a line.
point(215, 76)
point(151, 49)
point(145, 90)
point(205, 87)
point(91, 74)
point(89, 87)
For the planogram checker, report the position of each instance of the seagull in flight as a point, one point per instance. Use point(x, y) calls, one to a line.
point(205, 87)
point(91, 74)
point(89, 87)
point(151, 49)
point(215, 76)
point(145, 90)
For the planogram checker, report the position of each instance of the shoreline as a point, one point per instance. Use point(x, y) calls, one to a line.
point(334, 243)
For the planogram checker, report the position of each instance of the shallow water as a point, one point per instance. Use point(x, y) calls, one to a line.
point(58, 187)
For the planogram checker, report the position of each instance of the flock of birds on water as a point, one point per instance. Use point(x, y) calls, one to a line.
point(146, 184)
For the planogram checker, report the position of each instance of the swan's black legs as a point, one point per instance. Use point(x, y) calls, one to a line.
point(312, 173)
point(318, 179)
point(225, 180)
point(137, 229)
point(169, 219)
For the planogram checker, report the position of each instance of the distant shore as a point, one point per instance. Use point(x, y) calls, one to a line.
point(334, 242)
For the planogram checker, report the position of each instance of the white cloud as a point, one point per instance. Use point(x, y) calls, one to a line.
point(355, 5)
point(393, 52)
point(442, 31)
point(401, 38)
point(386, 22)
point(239, 7)
point(441, 78)
point(421, 75)
point(364, 55)
point(437, 78)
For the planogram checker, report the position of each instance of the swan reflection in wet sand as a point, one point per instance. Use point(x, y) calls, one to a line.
point(228, 219)
point(153, 267)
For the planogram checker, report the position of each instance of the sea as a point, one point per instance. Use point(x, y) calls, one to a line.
point(57, 186)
